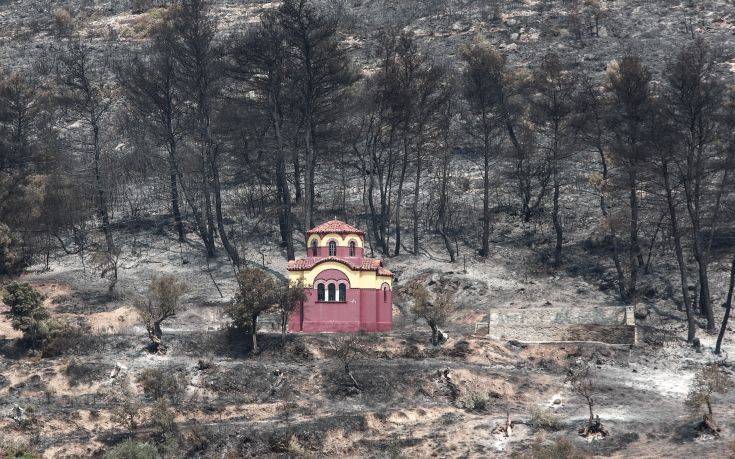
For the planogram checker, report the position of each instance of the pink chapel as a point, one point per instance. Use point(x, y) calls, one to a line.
point(345, 291)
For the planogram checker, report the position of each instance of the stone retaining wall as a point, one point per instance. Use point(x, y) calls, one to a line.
point(612, 325)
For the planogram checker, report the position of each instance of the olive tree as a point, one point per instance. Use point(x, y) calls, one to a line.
point(161, 302)
point(707, 382)
point(289, 296)
point(257, 292)
point(434, 309)
point(347, 349)
point(582, 381)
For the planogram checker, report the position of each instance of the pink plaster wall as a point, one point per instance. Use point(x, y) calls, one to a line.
point(364, 309)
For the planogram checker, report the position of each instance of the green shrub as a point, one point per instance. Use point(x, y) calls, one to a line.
point(130, 449)
point(67, 339)
point(545, 419)
point(163, 420)
point(158, 383)
point(562, 448)
point(85, 373)
point(11, 263)
point(475, 401)
point(27, 313)
point(126, 409)
point(17, 449)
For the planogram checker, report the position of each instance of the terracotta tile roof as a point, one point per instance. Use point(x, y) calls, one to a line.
point(368, 264)
point(335, 226)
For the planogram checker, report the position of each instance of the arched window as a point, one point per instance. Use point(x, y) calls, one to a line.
point(331, 293)
point(332, 249)
point(320, 292)
point(314, 249)
point(342, 293)
point(352, 248)
point(385, 294)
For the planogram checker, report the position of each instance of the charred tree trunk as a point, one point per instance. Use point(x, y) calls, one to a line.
point(309, 178)
point(485, 250)
point(206, 191)
point(443, 202)
point(416, 195)
point(611, 230)
point(728, 308)
point(155, 334)
point(555, 217)
point(296, 176)
point(101, 196)
point(691, 324)
point(201, 227)
point(175, 200)
point(634, 249)
point(254, 332)
point(377, 220)
point(399, 198)
point(217, 189)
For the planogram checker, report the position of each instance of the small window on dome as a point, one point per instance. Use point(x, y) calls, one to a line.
point(352, 248)
point(332, 249)
point(314, 249)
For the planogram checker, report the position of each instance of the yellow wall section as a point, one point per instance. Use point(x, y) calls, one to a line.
point(323, 240)
point(358, 279)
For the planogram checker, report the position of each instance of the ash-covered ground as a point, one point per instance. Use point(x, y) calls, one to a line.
point(415, 399)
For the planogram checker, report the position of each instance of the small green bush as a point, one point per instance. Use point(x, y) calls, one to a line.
point(11, 263)
point(475, 401)
point(562, 448)
point(78, 372)
point(158, 383)
point(545, 419)
point(130, 449)
point(27, 313)
point(163, 420)
point(18, 451)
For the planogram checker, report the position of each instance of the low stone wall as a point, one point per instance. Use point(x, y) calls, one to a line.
point(612, 325)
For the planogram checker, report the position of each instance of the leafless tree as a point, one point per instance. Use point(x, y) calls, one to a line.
point(200, 61)
point(593, 111)
point(663, 159)
point(153, 86)
point(347, 349)
point(86, 92)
